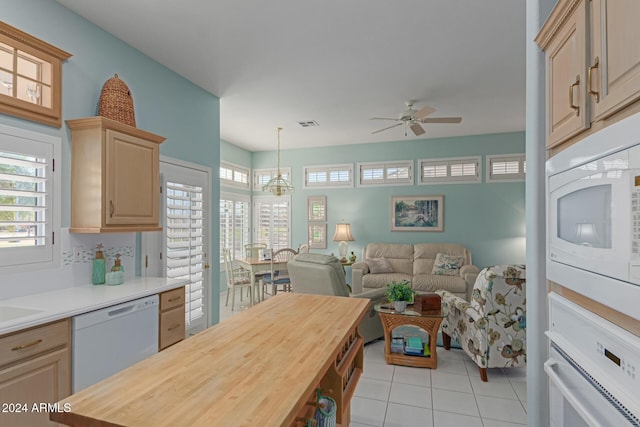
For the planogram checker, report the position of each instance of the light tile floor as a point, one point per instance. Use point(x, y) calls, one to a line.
point(450, 396)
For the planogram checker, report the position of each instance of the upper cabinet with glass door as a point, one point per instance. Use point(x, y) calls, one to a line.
point(30, 77)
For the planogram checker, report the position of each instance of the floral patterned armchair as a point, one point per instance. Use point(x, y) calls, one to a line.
point(492, 327)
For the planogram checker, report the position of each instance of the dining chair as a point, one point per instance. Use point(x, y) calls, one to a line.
point(279, 274)
point(236, 278)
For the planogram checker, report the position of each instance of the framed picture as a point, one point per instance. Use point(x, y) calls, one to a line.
point(317, 236)
point(417, 213)
point(317, 208)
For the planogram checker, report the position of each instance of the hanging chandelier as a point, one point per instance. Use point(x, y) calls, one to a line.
point(278, 186)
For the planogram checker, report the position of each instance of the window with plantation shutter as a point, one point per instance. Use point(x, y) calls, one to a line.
point(263, 176)
point(29, 206)
point(506, 168)
point(388, 173)
point(234, 224)
point(271, 221)
point(459, 170)
point(234, 175)
point(329, 176)
point(185, 243)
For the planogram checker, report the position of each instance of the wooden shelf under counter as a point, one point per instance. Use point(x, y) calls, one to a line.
point(260, 367)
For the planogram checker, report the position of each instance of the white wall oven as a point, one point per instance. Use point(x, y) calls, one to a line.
point(593, 216)
point(593, 369)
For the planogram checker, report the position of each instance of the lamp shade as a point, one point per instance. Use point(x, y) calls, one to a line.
point(343, 233)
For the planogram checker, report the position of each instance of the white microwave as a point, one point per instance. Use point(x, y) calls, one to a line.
point(593, 216)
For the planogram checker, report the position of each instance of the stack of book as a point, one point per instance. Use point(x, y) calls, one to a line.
point(414, 347)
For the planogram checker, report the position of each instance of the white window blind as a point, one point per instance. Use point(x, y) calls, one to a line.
point(388, 173)
point(27, 216)
point(185, 243)
point(328, 176)
point(506, 168)
point(452, 171)
point(234, 175)
point(271, 221)
point(234, 224)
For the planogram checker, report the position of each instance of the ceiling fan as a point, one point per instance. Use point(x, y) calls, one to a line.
point(412, 119)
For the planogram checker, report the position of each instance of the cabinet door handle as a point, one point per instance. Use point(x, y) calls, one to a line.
point(23, 346)
point(111, 208)
point(174, 327)
point(174, 299)
point(592, 92)
point(571, 90)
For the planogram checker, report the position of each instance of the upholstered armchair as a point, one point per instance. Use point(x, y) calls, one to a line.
point(491, 327)
point(321, 274)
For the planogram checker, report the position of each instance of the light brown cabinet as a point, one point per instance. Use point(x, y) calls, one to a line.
point(35, 369)
point(615, 57)
point(114, 177)
point(592, 51)
point(172, 318)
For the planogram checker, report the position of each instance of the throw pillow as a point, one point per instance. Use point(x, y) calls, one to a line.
point(379, 265)
point(447, 265)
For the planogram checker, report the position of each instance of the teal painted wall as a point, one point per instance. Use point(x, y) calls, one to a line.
point(165, 103)
point(488, 218)
point(234, 154)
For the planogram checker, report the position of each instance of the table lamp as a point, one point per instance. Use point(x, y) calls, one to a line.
point(343, 235)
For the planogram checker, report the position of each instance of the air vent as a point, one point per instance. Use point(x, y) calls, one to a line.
point(308, 123)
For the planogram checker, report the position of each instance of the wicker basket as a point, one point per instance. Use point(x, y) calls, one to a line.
point(116, 102)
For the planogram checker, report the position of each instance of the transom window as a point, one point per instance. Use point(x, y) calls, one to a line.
point(234, 175)
point(388, 173)
point(30, 77)
point(452, 170)
point(506, 168)
point(263, 176)
point(328, 176)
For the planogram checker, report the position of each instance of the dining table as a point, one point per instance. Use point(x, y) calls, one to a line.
point(256, 267)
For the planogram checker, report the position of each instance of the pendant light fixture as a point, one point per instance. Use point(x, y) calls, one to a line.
point(278, 185)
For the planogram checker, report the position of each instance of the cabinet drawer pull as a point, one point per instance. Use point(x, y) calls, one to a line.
point(174, 299)
point(110, 208)
point(571, 90)
point(592, 92)
point(174, 327)
point(23, 346)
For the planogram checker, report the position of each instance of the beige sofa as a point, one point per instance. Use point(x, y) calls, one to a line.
point(320, 274)
point(415, 263)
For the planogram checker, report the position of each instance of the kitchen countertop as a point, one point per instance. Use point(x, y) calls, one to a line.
point(67, 302)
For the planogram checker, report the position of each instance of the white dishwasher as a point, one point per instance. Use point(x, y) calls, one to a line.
point(111, 339)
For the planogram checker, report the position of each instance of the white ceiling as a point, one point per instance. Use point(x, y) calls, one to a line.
point(338, 62)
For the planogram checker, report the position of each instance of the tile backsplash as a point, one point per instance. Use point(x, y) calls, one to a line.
point(75, 269)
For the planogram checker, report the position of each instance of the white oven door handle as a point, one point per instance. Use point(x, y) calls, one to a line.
point(578, 406)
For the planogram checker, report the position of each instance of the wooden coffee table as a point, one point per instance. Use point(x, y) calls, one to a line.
point(429, 321)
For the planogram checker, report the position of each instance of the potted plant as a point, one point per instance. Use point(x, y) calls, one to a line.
point(399, 293)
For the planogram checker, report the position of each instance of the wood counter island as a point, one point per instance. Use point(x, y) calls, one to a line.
point(261, 367)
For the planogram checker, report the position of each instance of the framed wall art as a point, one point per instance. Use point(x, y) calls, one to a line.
point(317, 235)
point(417, 213)
point(317, 208)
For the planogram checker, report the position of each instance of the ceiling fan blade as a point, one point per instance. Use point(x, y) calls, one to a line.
point(417, 129)
point(442, 120)
point(382, 118)
point(424, 112)
point(392, 126)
